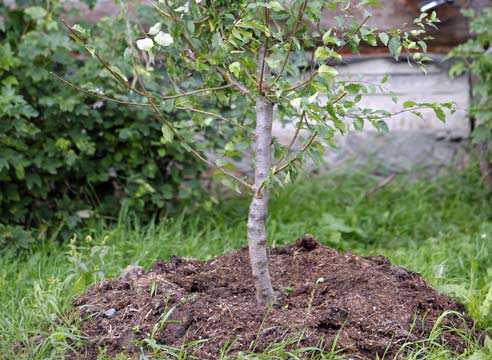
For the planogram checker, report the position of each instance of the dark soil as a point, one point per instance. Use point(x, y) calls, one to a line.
point(372, 306)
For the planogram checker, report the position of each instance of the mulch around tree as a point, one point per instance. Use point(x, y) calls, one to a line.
point(367, 305)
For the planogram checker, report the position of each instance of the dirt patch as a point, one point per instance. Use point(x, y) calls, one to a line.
point(370, 306)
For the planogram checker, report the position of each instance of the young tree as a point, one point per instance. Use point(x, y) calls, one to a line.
point(260, 60)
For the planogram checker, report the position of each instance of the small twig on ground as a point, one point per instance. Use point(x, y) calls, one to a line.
point(380, 185)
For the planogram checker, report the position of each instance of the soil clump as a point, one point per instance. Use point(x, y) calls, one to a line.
point(367, 305)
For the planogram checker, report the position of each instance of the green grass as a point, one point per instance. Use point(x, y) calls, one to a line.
point(440, 228)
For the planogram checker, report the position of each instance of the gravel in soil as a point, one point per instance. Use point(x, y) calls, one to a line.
point(367, 305)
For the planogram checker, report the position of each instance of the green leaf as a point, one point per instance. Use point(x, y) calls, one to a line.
point(394, 46)
point(20, 171)
point(488, 342)
point(190, 25)
point(10, 80)
point(384, 38)
point(168, 105)
point(328, 39)
point(117, 71)
point(439, 113)
point(274, 63)
point(382, 126)
point(423, 45)
point(35, 12)
point(167, 191)
point(359, 124)
point(353, 88)
point(167, 134)
point(371, 3)
point(409, 104)
point(255, 25)
point(486, 306)
point(468, 13)
point(81, 31)
point(457, 69)
point(4, 164)
point(276, 6)
point(321, 53)
point(235, 68)
point(481, 134)
point(230, 146)
point(327, 72)
point(370, 39)
point(33, 180)
point(332, 112)
point(125, 134)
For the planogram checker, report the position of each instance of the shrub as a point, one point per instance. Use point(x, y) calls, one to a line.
point(65, 156)
point(475, 58)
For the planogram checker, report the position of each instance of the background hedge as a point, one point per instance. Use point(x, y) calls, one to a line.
point(65, 156)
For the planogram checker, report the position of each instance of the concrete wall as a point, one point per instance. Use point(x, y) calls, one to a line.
point(409, 83)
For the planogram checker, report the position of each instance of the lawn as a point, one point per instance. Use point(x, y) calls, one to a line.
point(440, 228)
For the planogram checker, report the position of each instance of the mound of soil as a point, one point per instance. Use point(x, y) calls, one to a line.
point(368, 305)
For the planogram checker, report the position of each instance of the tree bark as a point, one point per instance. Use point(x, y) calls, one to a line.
point(258, 210)
point(485, 164)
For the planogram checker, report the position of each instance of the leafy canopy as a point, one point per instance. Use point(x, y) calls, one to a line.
point(209, 51)
point(63, 156)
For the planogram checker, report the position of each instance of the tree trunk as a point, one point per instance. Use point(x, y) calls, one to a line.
point(258, 210)
point(485, 164)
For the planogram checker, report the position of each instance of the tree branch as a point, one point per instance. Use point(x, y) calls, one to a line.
point(194, 92)
point(95, 94)
point(296, 156)
point(130, 103)
point(302, 83)
point(380, 185)
point(293, 140)
point(262, 55)
point(230, 78)
point(192, 150)
point(203, 112)
point(103, 62)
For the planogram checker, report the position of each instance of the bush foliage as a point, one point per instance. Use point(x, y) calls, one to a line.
point(65, 156)
point(475, 57)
